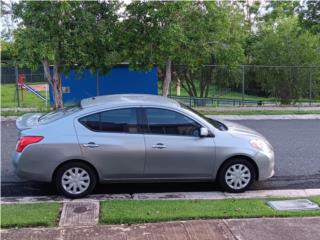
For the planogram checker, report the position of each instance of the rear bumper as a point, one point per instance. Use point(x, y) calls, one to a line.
point(266, 164)
point(28, 173)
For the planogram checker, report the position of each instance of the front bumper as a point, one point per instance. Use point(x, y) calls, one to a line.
point(266, 164)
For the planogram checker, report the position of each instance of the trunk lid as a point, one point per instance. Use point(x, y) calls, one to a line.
point(28, 121)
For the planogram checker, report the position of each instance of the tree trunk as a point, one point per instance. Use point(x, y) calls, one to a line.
point(55, 82)
point(178, 87)
point(190, 83)
point(167, 79)
point(58, 86)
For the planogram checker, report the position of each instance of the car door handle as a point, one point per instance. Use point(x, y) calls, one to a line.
point(90, 145)
point(159, 146)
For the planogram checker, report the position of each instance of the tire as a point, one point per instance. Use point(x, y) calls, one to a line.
point(75, 179)
point(236, 182)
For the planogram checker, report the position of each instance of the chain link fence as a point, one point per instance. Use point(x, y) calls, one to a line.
point(8, 74)
point(245, 85)
point(23, 87)
point(215, 85)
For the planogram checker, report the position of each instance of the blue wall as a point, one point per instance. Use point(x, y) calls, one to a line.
point(119, 80)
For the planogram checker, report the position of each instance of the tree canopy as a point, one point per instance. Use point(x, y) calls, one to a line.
point(66, 34)
point(286, 44)
point(99, 34)
point(309, 15)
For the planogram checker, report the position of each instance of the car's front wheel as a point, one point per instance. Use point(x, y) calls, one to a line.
point(236, 175)
point(75, 179)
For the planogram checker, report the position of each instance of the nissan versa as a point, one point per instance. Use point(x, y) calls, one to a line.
point(134, 138)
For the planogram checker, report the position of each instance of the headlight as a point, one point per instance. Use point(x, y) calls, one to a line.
point(260, 145)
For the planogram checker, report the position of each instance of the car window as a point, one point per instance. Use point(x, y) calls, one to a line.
point(163, 121)
point(92, 122)
point(120, 120)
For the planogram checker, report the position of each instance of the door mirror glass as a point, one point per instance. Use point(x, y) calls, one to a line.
point(204, 132)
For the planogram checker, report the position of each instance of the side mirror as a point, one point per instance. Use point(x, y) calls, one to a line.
point(204, 132)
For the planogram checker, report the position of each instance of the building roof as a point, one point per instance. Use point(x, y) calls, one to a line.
point(128, 99)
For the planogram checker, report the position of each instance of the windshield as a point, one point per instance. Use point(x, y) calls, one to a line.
point(215, 123)
point(57, 114)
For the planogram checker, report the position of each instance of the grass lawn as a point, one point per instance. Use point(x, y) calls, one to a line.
point(259, 112)
point(8, 99)
point(11, 113)
point(141, 211)
point(214, 92)
point(315, 199)
point(29, 215)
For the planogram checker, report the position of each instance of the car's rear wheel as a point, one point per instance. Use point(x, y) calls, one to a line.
point(236, 175)
point(75, 179)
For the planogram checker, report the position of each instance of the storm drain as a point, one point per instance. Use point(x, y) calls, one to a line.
point(293, 205)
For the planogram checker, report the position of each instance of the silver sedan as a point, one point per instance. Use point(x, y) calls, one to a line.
point(134, 138)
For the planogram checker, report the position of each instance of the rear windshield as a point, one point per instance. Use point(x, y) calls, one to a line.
point(60, 113)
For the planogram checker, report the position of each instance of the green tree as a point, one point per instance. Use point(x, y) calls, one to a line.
point(152, 34)
point(190, 33)
point(66, 34)
point(309, 15)
point(213, 35)
point(285, 43)
point(8, 53)
point(280, 9)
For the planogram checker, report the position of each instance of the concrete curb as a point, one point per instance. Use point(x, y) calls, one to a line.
point(9, 118)
point(20, 109)
point(236, 117)
point(288, 193)
point(267, 117)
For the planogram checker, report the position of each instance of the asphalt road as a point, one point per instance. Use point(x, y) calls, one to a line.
point(297, 151)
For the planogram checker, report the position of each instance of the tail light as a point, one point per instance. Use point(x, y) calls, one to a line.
point(27, 140)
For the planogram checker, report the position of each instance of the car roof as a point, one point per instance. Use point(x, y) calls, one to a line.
point(128, 99)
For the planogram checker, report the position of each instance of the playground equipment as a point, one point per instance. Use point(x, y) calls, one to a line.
point(34, 89)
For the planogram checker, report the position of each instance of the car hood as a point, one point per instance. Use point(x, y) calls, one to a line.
point(239, 130)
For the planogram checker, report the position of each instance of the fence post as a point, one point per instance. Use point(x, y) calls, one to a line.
point(17, 81)
point(242, 85)
point(310, 86)
point(190, 104)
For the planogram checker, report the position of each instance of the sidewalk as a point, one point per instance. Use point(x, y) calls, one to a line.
point(234, 229)
point(214, 195)
point(79, 219)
